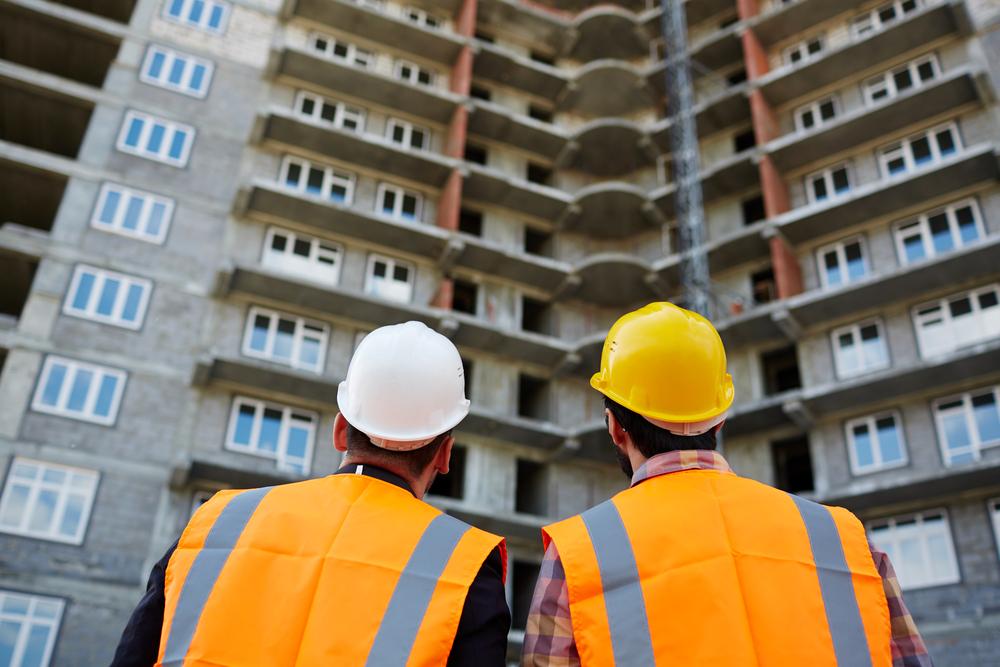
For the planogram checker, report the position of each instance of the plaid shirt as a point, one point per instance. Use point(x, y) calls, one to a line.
point(548, 639)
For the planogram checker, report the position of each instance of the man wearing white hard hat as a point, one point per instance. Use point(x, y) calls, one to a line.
point(351, 569)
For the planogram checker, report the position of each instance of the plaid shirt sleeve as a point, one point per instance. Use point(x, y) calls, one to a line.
point(908, 649)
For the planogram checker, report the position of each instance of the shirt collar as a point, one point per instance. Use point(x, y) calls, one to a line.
point(683, 459)
point(369, 470)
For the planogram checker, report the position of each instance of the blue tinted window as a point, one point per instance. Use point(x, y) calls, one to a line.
point(105, 395)
point(175, 8)
point(132, 301)
point(8, 637)
point(888, 438)
point(134, 130)
point(156, 138)
point(987, 418)
point(132, 213)
point(966, 224)
point(177, 145)
point(156, 64)
point(244, 425)
point(78, 392)
point(197, 8)
point(956, 431)
point(298, 443)
point(83, 291)
point(270, 431)
point(156, 217)
point(258, 337)
point(863, 447)
point(110, 207)
point(215, 20)
point(54, 383)
point(198, 78)
point(914, 247)
point(941, 233)
point(177, 71)
point(34, 651)
point(106, 304)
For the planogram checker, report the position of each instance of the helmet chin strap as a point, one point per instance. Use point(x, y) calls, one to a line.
point(688, 428)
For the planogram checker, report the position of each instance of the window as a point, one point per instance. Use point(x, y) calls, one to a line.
point(398, 203)
point(543, 58)
point(78, 390)
point(523, 576)
point(208, 15)
point(328, 112)
point(967, 424)
point(919, 547)
point(407, 134)
point(141, 215)
point(285, 339)
point(48, 501)
point(108, 297)
point(465, 297)
point(413, 73)
point(919, 150)
point(536, 315)
point(273, 431)
point(340, 50)
point(828, 184)
point(531, 484)
point(877, 19)
point(876, 443)
point(804, 51)
point(537, 242)
point(30, 624)
point(156, 139)
point(762, 285)
point(317, 180)
point(736, 77)
point(744, 141)
point(302, 255)
point(476, 154)
point(377, 5)
point(389, 279)
point(421, 17)
point(470, 222)
point(753, 210)
point(793, 466)
point(937, 232)
point(815, 114)
point(901, 79)
point(541, 114)
point(842, 263)
point(480, 92)
point(780, 369)
point(859, 348)
point(451, 485)
point(537, 173)
point(957, 321)
point(176, 71)
point(532, 397)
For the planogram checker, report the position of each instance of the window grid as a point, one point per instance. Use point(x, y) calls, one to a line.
point(898, 80)
point(878, 18)
point(967, 424)
point(920, 548)
point(87, 392)
point(329, 112)
point(177, 71)
point(860, 348)
point(388, 278)
point(301, 255)
point(804, 51)
point(842, 263)
point(939, 231)
point(208, 15)
point(107, 297)
point(285, 339)
point(830, 183)
point(134, 213)
point(957, 321)
point(47, 501)
point(31, 623)
point(919, 150)
point(407, 134)
point(876, 442)
point(421, 17)
point(272, 431)
point(399, 203)
point(156, 139)
point(816, 114)
point(317, 180)
point(413, 73)
point(345, 51)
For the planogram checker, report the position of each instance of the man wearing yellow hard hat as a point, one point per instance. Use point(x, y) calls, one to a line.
point(694, 565)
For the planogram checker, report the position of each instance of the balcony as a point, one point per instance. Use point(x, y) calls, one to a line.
point(491, 186)
point(495, 260)
point(713, 52)
point(116, 10)
point(439, 45)
point(952, 90)
point(263, 379)
point(282, 130)
point(618, 279)
point(606, 31)
point(723, 178)
point(763, 415)
point(608, 88)
point(29, 197)
point(524, 346)
point(496, 64)
point(742, 246)
point(494, 122)
point(18, 264)
point(611, 210)
point(295, 66)
point(610, 148)
point(923, 27)
point(786, 20)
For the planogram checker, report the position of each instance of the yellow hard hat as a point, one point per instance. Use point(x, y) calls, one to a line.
point(668, 365)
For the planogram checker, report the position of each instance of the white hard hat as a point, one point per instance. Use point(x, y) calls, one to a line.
point(405, 386)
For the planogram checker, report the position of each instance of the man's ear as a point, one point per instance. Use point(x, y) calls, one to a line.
point(619, 435)
point(340, 433)
point(442, 460)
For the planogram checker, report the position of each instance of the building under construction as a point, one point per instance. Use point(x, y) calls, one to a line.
point(205, 204)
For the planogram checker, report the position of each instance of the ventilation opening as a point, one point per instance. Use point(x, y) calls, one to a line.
point(537, 242)
point(451, 485)
point(17, 272)
point(763, 286)
point(475, 154)
point(781, 370)
point(744, 141)
point(116, 10)
point(535, 315)
point(539, 174)
point(470, 222)
point(540, 113)
point(532, 397)
point(480, 92)
point(793, 469)
point(43, 119)
point(465, 296)
point(532, 485)
point(522, 588)
point(28, 197)
point(753, 210)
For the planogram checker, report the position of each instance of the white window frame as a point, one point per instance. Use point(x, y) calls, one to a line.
point(30, 619)
point(171, 129)
point(890, 547)
point(802, 48)
point(203, 22)
point(73, 368)
point(101, 277)
point(331, 176)
point(887, 80)
point(826, 175)
point(854, 330)
point(408, 129)
point(870, 22)
point(904, 148)
point(415, 71)
point(870, 421)
point(281, 448)
point(422, 18)
point(322, 333)
point(922, 313)
point(391, 264)
point(148, 202)
point(79, 482)
point(815, 108)
point(976, 444)
point(840, 247)
point(921, 225)
point(397, 209)
point(355, 56)
point(342, 112)
point(310, 268)
point(189, 64)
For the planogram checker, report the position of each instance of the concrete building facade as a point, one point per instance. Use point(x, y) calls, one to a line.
point(205, 204)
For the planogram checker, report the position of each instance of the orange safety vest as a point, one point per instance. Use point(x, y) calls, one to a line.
point(344, 570)
point(706, 568)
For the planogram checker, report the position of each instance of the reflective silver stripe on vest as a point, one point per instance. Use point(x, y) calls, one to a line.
point(408, 604)
point(205, 571)
point(850, 644)
point(626, 608)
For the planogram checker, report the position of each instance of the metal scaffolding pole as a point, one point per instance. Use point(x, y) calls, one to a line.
point(690, 208)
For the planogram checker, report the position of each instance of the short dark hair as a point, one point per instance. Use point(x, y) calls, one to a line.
point(650, 439)
point(361, 447)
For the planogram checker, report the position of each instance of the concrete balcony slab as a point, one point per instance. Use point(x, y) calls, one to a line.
point(752, 326)
point(785, 20)
point(533, 433)
point(762, 415)
point(525, 346)
point(605, 88)
point(739, 247)
point(615, 279)
point(733, 174)
point(518, 527)
point(493, 121)
point(611, 148)
point(495, 260)
point(533, 23)
point(262, 379)
point(491, 186)
point(611, 210)
point(606, 31)
point(231, 470)
point(493, 63)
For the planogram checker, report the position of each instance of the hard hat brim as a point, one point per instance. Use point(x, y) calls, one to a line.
point(598, 382)
point(350, 414)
